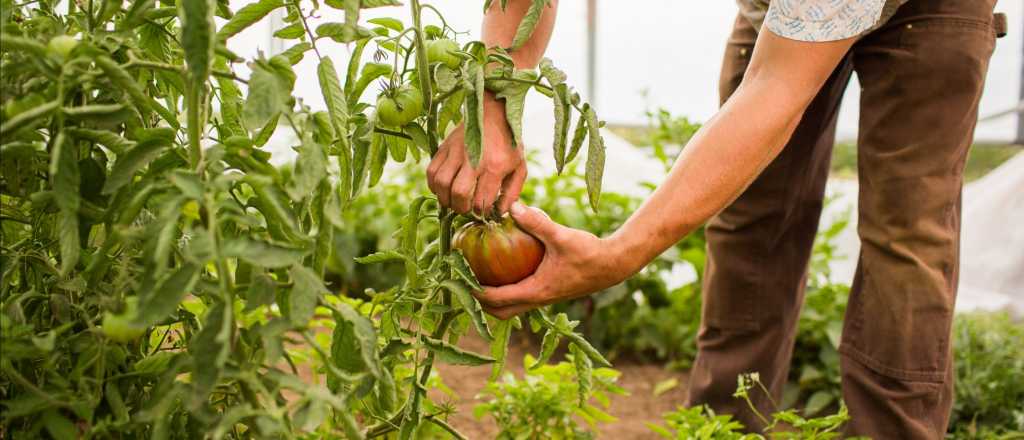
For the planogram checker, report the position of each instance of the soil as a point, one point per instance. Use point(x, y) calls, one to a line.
point(632, 411)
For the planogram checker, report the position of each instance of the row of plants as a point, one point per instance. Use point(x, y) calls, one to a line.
point(160, 278)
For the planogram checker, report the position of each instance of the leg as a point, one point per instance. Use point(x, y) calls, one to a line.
point(758, 249)
point(922, 76)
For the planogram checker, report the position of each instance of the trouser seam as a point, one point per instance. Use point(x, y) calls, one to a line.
point(872, 364)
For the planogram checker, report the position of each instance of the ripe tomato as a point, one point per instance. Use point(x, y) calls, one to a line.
point(443, 51)
point(401, 107)
point(499, 252)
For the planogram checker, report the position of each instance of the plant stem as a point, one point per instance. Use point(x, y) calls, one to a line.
point(423, 69)
point(312, 38)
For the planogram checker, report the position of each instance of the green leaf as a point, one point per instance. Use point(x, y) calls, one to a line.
point(818, 402)
point(134, 160)
point(562, 112)
point(247, 16)
point(123, 80)
point(529, 23)
point(310, 169)
point(547, 347)
point(665, 386)
point(113, 141)
point(551, 73)
point(449, 112)
point(59, 426)
point(26, 118)
point(499, 345)
point(370, 72)
point(210, 349)
point(472, 307)
point(388, 22)
point(591, 352)
point(65, 177)
point(595, 160)
point(382, 257)
point(307, 288)
point(294, 30)
point(267, 98)
point(273, 205)
point(197, 37)
point(584, 373)
point(262, 291)
point(262, 253)
point(451, 354)
point(365, 334)
point(378, 158)
point(163, 300)
point(474, 117)
point(354, 61)
point(579, 135)
point(461, 268)
point(70, 241)
point(514, 94)
point(334, 97)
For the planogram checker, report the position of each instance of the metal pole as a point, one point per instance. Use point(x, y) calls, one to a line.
point(592, 52)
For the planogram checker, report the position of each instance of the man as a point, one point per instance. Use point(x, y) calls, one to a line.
point(757, 170)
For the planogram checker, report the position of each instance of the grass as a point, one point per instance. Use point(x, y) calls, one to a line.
point(984, 156)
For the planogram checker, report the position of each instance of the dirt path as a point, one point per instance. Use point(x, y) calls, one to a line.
point(633, 411)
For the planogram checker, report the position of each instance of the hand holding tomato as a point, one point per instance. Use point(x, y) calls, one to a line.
point(576, 263)
point(497, 180)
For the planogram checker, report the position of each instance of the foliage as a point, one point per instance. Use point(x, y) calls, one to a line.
point(160, 278)
point(989, 356)
point(701, 422)
point(545, 403)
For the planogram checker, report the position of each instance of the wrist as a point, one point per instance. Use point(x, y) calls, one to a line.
point(627, 259)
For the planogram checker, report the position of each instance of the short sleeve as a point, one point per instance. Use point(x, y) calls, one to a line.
point(822, 20)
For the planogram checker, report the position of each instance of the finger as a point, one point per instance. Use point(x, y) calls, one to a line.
point(435, 166)
point(444, 178)
point(487, 187)
point(534, 221)
point(509, 295)
point(512, 186)
point(462, 189)
point(506, 313)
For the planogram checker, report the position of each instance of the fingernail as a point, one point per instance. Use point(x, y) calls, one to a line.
point(517, 209)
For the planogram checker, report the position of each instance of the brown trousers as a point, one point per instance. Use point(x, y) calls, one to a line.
point(921, 75)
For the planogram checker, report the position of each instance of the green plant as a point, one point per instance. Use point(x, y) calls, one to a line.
point(989, 356)
point(134, 173)
point(547, 401)
point(701, 422)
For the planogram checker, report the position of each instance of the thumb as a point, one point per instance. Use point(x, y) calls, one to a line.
point(534, 221)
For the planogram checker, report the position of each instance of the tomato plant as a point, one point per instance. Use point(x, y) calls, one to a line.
point(136, 170)
point(498, 251)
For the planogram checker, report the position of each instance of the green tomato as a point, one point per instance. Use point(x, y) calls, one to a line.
point(121, 328)
point(443, 51)
point(62, 45)
point(401, 107)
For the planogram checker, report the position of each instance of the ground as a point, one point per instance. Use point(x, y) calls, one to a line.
point(633, 411)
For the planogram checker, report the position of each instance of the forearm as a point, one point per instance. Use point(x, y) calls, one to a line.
point(500, 27)
point(728, 153)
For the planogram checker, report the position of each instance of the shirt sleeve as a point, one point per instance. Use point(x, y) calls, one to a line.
point(822, 20)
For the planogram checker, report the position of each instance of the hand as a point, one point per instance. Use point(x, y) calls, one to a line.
point(501, 171)
point(576, 263)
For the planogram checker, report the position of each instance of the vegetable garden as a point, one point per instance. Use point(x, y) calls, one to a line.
point(161, 278)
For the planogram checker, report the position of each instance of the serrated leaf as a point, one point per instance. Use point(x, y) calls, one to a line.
point(294, 30)
point(58, 426)
point(261, 292)
point(197, 37)
point(591, 352)
point(529, 23)
point(296, 52)
point(584, 374)
point(499, 345)
point(266, 99)
point(334, 97)
point(474, 111)
point(247, 16)
point(547, 347)
point(310, 169)
point(461, 268)
point(562, 111)
point(381, 257)
point(210, 349)
point(26, 118)
point(553, 74)
point(378, 158)
point(514, 94)
point(465, 298)
point(123, 80)
point(134, 160)
point(366, 338)
point(113, 141)
point(273, 205)
point(388, 22)
point(595, 160)
point(451, 354)
point(307, 288)
point(818, 402)
point(163, 300)
point(261, 253)
point(578, 135)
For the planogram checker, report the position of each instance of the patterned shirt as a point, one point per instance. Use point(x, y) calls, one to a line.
point(819, 20)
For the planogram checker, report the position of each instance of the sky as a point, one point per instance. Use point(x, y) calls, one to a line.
point(657, 54)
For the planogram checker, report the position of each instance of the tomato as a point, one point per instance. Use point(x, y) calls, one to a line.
point(62, 45)
point(401, 107)
point(120, 328)
point(499, 252)
point(443, 51)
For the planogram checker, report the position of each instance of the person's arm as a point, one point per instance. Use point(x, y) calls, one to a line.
point(719, 162)
point(502, 169)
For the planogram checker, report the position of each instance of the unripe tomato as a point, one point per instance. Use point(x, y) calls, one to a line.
point(443, 51)
point(120, 328)
point(499, 252)
point(401, 107)
point(62, 45)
